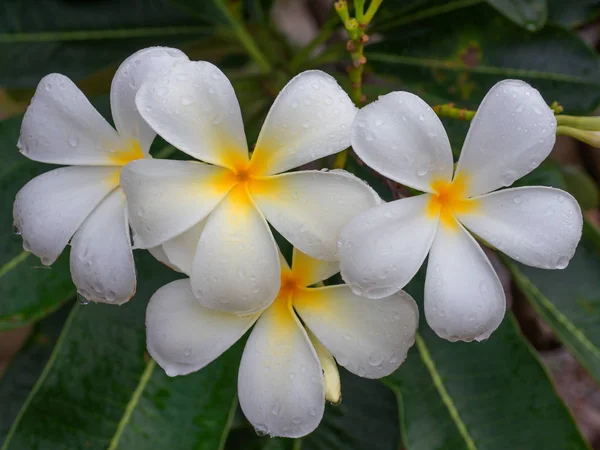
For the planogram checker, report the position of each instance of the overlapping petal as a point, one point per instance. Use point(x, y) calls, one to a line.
point(512, 132)
point(464, 299)
point(236, 266)
point(50, 208)
point(280, 383)
point(538, 226)
point(182, 335)
point(381, 249)
point(181, 249)
point(102, 264)
point(309, 208)
point(368, 337)
point(146, 64)
point(193, 107)
point(166, 198)
point(310, 119)
point(401, 137)
point(309, 271)
point(61, 126)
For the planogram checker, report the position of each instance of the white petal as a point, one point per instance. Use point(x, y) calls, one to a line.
point(464, 299)
point(331, 374)
point(166, 198)
point(370, 338)
point(310, 207)
point(102, 264)
point(382, 249)
point(193, 107)
point(512, 132)
point(310, 119)
point(182, 335)
point(537, 226)
point(50, 208)
point(143, 65)
point(61, 126)
point(309, 270)
point(401, 137)
point(280, 383)
point(236, 266)
point(181, 249)
point(159, 253)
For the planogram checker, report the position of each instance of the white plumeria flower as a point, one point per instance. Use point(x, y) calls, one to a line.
point(217, 211)
point(382, 249)
point(287, 370)
point(83, 203)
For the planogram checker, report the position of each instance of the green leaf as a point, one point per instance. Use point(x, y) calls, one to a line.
point(573, 13)
point(581, 186)
point(462, 54)
point(26, 367)
point(78, 38)
point(28, 290)
point(569, 300)
point(530, 14)
point(99, 389)
point(490, 395)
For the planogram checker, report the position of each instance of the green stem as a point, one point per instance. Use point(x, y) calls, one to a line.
point(582, 123)
point(448, 110)
point(245, 38)
point(373, 7)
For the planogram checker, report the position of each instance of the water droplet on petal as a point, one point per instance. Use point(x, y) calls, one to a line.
point(81, 299)
point(73, 141)
point(562, 262)
point(16, 230)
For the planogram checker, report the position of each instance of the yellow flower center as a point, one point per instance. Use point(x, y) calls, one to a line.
point(121, 157)
point(449, 199)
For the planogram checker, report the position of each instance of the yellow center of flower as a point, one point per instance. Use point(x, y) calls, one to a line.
point(449, 199)
point(130, 153)
point(121, 157)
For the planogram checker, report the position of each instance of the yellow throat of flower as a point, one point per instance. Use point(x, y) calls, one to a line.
point(449, 199)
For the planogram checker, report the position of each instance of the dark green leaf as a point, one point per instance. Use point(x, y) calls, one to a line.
point(581, 186)
point(569, 300)
point(573, 13)
point(462, 54)
point(26, 367)
point(99, 390)
point(77, 38)
point(530, 14)
point(28, 289)
point(490, 395)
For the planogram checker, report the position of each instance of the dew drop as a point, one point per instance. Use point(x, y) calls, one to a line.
point(16, 230)
point(562, 262)
point(483, 287)
point(261, 430)
point(73, 141)
point(187, 351)
point(297, 420)
point(81, 299)
point(275, 409)
point(375, 359)
point(186, 101)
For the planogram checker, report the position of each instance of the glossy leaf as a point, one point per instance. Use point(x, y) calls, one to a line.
point(569, 300)
point(490, 395)
point(75, 38)
point(461, 54)
point(573, 13)
point(26, 367)
point(530, 14)
point(28, 289)
point(100, 390)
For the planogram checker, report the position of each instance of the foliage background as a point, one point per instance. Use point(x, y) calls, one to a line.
point(83, 378)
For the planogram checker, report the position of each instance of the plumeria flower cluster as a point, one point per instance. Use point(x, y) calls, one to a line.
point(401, 137)
point(209, 219)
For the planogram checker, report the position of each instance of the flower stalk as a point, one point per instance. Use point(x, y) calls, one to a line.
point(355, 27)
